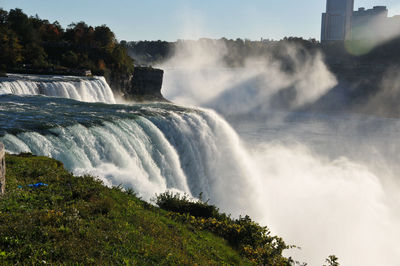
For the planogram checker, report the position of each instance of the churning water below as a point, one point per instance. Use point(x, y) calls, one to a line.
point(330, 184)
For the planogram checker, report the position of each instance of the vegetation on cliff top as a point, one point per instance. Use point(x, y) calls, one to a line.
point(78, 220)
point(235, 53)
point(31, 43)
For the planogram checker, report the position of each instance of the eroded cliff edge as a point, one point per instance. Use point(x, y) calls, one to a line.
point(143, 86)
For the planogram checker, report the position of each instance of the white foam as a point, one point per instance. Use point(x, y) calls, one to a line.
point(93, 89)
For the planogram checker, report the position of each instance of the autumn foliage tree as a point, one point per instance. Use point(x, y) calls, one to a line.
point(33, 43)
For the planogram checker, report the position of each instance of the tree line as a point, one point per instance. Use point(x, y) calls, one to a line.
point(29, 42)
point(236, 52)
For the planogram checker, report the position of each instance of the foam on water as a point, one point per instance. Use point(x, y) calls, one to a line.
point(192, 152)
point(84, 89)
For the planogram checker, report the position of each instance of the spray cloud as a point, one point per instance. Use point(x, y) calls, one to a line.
point(335, 194)
point(197, 75)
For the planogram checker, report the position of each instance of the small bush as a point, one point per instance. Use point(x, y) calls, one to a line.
point(183, 204)
point(332, 260)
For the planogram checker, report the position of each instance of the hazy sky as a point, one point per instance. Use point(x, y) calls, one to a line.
point(191, 19)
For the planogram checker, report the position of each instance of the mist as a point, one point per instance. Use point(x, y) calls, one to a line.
point(329, 185)
point(385, 101)
point(372, 33)
point(197, 75)
point(327, 206)
point(325, 183)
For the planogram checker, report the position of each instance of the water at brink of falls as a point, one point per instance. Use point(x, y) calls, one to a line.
point(150, 147)
point(93, 89)
point(328, 184)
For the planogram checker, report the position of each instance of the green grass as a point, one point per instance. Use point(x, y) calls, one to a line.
point(78, 220)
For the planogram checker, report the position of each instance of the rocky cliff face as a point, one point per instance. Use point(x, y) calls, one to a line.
point(143, 86)
point(146, 85)
point(119, 83)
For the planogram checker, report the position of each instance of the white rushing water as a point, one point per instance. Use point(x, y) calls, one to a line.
point(84, 89)
point(180, 152)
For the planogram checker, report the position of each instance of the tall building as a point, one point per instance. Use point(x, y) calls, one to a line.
point(336, 22)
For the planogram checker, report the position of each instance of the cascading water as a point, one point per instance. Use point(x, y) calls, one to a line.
point(94, 89)
point(150, 148)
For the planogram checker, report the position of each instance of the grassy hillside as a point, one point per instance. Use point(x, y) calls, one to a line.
point(78, 220)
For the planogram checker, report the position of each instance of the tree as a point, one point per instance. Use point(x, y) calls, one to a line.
point(3, 16)
point(20, 24)
point(50, 32)
point(70, 59)
point(104, 38)
point(79, 34)
point(332, 260)
point(10, 49)
point(35, 55)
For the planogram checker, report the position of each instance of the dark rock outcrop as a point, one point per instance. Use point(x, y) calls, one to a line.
point(143, 86)
point(119, 83)
point(146, 85)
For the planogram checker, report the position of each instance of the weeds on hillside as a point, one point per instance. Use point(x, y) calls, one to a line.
point(79, 221)
point(252, 240)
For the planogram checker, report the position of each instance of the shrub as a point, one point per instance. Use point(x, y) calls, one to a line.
point(252, 240)
point(332, 260)
point(183, 204)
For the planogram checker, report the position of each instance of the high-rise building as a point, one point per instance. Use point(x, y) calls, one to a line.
point(336, 22)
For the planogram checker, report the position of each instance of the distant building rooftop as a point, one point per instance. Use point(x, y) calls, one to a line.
point(340, 22)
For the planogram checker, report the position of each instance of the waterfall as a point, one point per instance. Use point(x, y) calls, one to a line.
point(159, 148)
point(93, 89)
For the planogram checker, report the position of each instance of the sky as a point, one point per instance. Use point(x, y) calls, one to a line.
point(169, 20)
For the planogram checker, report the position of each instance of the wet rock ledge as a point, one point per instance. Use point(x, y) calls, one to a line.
point(143, 86)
